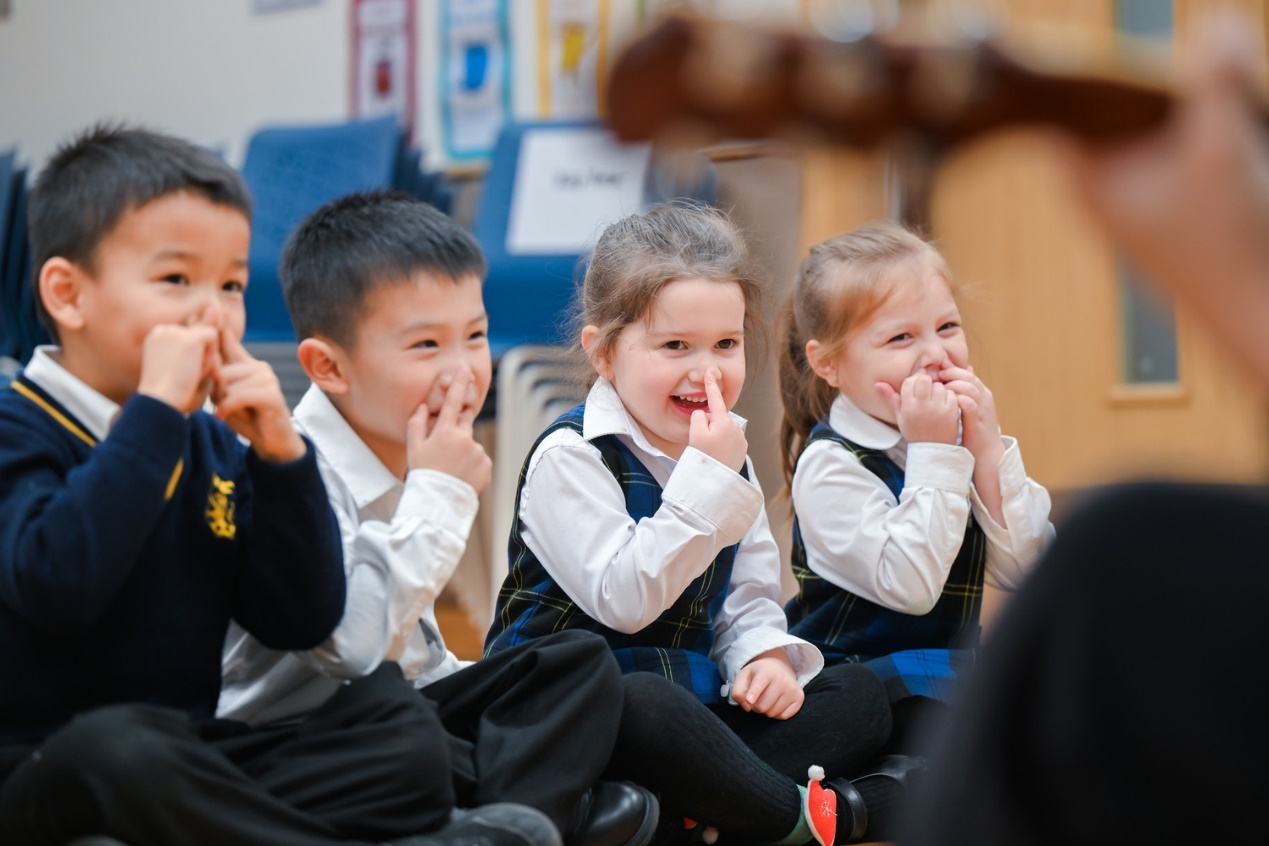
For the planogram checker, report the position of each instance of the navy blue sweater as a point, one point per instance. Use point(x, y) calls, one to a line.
point(122, 562)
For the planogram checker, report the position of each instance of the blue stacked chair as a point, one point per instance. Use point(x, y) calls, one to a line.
point(20, 329)
point(292, 171)
point(8, 332)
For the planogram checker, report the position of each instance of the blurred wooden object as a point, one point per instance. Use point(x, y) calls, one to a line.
point(1042, 297)
point(704, 78)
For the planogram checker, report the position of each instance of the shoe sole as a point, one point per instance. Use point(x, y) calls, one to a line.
point(647, 828)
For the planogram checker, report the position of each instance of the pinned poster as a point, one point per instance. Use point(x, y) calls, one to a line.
point(383, 59)
point(572, 57)
point(475, 76)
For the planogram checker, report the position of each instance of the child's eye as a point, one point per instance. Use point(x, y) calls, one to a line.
point(235, 286)
point(728, 344)
point(903, 336)
point(951, 324)
point(478, 335)
point(176, 279)
point(675, 345)
point(428, 344)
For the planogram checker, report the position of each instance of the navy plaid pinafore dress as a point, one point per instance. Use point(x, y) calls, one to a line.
point(914, 655)
point(676, 645)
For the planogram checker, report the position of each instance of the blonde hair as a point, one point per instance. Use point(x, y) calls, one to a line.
point(639, 255)
point(839, 286)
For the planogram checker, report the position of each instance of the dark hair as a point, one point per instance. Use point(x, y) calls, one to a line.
point(640, 254)
point(92, 181)
point(352, 245)
point(839, 286)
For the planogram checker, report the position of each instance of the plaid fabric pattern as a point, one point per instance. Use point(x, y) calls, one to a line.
point(675, 645)
point(923, 672)
point(914, 655)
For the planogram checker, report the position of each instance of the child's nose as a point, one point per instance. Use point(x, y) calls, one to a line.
point(206, 312)
point(440, 387)
point(930, 356)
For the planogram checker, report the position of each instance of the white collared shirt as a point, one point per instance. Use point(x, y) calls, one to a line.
point(95, 411)
point(625, 574)
point(898, 552)
point(402, 541)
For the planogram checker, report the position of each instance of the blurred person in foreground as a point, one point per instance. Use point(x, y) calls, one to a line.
point(1116, 705)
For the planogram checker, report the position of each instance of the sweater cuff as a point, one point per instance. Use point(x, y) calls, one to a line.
point(286, 477)
point(153, 429)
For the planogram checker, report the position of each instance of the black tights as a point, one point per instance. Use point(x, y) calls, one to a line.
point(740, 771)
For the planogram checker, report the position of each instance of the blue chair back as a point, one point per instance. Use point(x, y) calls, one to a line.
point(291, 171)
point(20, 331)
point(8, 306)
point(528, 291)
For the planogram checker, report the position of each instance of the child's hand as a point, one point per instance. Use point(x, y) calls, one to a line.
point(714, 432)
point(450, 446)
point(249, 399)
point(980, 428)
point(178, 364)
point(925, 410)
point(768, 685)
point(980, 434)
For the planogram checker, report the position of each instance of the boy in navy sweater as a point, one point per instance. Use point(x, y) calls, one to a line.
point(134, 527)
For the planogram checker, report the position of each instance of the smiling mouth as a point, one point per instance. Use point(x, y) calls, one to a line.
point(690, 403)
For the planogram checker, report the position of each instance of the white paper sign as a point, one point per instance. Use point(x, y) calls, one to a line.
point(570, 183)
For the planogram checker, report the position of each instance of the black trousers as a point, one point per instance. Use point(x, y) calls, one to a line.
point(370, 764)
point(534, 724)
point(1116, 699)
point(739, 771)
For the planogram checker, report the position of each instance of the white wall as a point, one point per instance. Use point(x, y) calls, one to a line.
point(214, 72)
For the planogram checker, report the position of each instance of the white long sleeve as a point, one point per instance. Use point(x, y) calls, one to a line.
point(897, 552)
point(402, 542)
point(625, 574)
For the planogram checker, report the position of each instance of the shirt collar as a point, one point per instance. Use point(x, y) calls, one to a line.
point(848, 419)
point(366, 477)
point(93, 410)
point(607, 415)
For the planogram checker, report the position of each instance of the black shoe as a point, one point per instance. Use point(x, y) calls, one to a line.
point(615, 814)
point(877, 798)
point(500, 824)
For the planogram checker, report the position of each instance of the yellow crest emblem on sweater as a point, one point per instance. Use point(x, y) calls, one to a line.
point(220, 508)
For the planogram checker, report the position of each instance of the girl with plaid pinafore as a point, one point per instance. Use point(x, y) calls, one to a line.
point(906, 497)
point(638, 517)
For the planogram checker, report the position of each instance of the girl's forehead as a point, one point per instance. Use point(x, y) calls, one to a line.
point(917, 285)
point(697, 288)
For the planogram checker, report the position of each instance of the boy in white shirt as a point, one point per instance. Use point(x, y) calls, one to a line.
point(385, 295)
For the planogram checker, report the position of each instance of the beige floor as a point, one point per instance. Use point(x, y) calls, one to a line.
point(461, 636)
